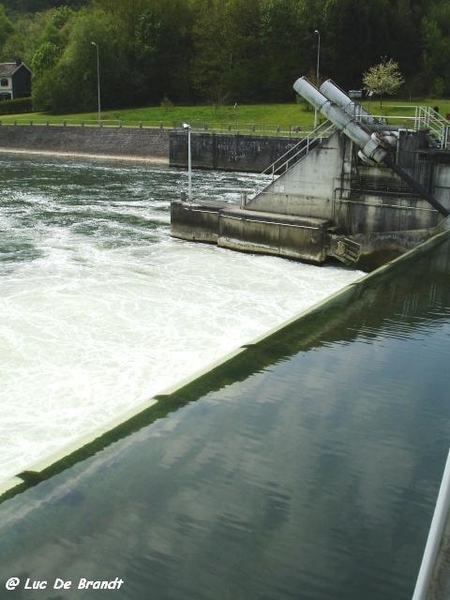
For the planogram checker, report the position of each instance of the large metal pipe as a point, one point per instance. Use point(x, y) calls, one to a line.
point(339, 97)
point(370, 146)
point(334, 93)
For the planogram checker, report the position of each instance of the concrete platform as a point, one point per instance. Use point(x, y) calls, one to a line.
point(230, 226)
point(298, 237)
point(196, 221)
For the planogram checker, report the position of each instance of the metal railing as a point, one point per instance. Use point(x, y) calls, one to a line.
point(295, 154)
point(435, 535)
point(414, 117)
point(428, 118)
point(222, 127)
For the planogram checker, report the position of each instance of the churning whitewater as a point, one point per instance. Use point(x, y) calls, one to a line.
point(102, 309)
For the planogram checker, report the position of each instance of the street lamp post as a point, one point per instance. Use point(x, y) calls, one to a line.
point(187, 127)
point(98, 83)
point(317, 32)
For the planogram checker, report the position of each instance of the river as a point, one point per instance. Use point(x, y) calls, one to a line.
point(305, 468)
point(101, 309)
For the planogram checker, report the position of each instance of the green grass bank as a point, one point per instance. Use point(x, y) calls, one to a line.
point(264, 119)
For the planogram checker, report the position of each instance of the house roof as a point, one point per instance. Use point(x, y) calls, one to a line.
point(9, 68)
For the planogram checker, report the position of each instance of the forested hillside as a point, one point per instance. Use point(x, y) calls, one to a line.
point(218, 51)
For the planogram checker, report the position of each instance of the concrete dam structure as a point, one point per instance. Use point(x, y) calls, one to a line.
point(357, 190)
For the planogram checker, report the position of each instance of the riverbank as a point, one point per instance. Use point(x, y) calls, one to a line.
point(227, 152)
point(113, 142)
point(120, 157)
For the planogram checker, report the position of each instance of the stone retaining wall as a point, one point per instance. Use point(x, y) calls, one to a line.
point(112, 141)
point(208, 150)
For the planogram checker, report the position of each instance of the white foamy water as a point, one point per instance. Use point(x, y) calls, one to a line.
point(101, 309)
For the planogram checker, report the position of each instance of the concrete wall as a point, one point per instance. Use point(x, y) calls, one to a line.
point(113, 141)
point(196, 222)
point(209, 151)
point(309, 187)
point(441, 184)
point(227, 152)
point(331, 183)
point(295, 237)
point(372, 213)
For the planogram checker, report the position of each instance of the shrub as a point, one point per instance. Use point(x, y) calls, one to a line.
point(17, 106)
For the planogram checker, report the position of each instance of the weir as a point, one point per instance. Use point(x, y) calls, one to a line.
point(357, 431)
point(211, 474)
point(357, 189)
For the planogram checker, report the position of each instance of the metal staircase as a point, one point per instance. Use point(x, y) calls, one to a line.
point(300, 150)
point(427, 118)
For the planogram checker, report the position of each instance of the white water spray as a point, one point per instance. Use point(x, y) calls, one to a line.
point(110, 311)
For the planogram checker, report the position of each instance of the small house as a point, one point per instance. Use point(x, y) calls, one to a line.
point(15, 80)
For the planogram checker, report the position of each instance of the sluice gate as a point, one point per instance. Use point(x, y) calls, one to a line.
point(358, 190)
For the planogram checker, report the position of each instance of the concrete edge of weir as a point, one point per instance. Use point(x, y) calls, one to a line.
point(8, 485)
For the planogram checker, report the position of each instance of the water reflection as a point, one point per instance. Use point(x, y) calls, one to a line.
point(307, 468)
point(102, 309)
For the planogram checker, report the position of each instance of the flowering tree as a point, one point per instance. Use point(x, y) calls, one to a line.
point(383, 79)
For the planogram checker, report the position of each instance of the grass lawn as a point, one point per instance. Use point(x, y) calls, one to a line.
point(266, 119)
point(267, 116)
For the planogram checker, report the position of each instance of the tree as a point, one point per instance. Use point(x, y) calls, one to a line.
point(213, 57)
point(222, 50)
point(355, 33)
point(6, 26)
point(436, 48)
point(70, 83)
point(162, 50)
point(34, 6)
point(383, 79)
point(53, 39)
point(281, 63)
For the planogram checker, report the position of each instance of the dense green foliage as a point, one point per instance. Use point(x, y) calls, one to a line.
point(15, 107)
point(218, 51)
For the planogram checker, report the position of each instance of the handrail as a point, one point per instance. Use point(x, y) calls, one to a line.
point(431, 119)
point(303, 148)
point(222, 127)
point(435, 535)
point(299, 150)
point(421, 116)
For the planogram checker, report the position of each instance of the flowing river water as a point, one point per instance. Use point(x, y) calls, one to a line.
point(306, 468)
point(101, 309)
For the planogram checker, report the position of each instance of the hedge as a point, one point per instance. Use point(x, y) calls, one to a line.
point(17, 106)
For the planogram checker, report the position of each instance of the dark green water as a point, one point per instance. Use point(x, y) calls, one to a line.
point(306, 469)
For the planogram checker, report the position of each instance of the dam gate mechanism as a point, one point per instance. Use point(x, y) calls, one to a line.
point(357, 190)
